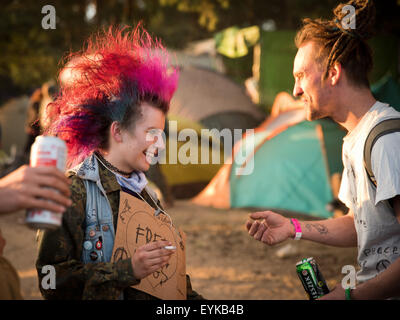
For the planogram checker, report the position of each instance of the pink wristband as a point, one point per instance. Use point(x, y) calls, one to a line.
point(297, 229)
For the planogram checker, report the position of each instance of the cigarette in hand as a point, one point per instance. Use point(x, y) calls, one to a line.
point(170, 247)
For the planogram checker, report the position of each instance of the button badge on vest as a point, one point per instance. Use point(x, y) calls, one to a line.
point(93, 256)
point(87, 245)
point(99, 244)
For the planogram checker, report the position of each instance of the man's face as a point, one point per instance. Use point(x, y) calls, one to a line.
point(308, 85)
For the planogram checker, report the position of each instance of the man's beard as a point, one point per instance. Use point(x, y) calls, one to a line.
point(314, 114)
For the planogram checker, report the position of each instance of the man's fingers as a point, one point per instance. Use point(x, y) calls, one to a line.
point(267, 238)
point(260, 215)
point(48, 194)
point(249, 223)
point(254, 227)
point(260, 231)
point(34, 203)
point(54, 182)
point(52, 171)
point(52, 177)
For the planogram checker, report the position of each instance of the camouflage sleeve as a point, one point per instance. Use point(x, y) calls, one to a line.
point(62, 248)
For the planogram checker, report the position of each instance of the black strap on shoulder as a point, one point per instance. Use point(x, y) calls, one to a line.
point(381, 129)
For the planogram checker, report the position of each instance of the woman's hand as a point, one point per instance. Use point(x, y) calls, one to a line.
point(150, 258)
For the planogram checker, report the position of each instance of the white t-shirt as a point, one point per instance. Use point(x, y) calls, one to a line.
point(378, 231)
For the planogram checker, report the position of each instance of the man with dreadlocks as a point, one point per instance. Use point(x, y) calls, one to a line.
point(110, 112)
point(331, 78)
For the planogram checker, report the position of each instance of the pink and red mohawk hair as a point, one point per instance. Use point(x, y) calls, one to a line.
point(118, 69)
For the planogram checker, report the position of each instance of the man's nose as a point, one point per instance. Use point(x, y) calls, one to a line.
point(297, 91)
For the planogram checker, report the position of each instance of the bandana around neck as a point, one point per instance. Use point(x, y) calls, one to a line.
point(136, 182)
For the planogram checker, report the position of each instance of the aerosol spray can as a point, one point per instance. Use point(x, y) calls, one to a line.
point(46, 151)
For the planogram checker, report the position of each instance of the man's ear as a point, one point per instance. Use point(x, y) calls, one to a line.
point(335, 73)
point(115, 131)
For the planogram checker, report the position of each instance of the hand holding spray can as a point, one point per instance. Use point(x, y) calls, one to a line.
point(46, 151)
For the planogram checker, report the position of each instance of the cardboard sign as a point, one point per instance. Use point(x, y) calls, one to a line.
point(137, 225)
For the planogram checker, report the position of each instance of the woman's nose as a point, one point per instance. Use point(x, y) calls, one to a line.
point(160, 144)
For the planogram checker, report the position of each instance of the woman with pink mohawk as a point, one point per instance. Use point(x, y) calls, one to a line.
point(110, 112)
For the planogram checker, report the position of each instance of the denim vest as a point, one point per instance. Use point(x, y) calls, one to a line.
point(99, 235)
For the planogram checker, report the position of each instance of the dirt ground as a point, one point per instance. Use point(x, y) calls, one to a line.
point(222, 260)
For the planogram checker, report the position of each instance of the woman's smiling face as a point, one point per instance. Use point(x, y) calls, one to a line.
point(143, 140)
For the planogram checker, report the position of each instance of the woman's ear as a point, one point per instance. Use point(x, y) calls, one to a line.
point(115, 132)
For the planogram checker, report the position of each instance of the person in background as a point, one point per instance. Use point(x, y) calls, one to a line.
point(38, 102)
point(32, 126)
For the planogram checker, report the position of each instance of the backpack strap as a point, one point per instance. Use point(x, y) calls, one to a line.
point(381, 129)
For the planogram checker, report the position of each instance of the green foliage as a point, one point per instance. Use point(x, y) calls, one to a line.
point(276, 65)
point(207, 10)
point(31, 55)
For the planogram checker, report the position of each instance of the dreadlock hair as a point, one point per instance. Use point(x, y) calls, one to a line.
point(107, 81)
point(343, 45)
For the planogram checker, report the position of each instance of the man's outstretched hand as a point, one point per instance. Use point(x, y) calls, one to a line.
point(269, 227)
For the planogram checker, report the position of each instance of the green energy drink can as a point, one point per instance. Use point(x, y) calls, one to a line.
point(311, 278)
